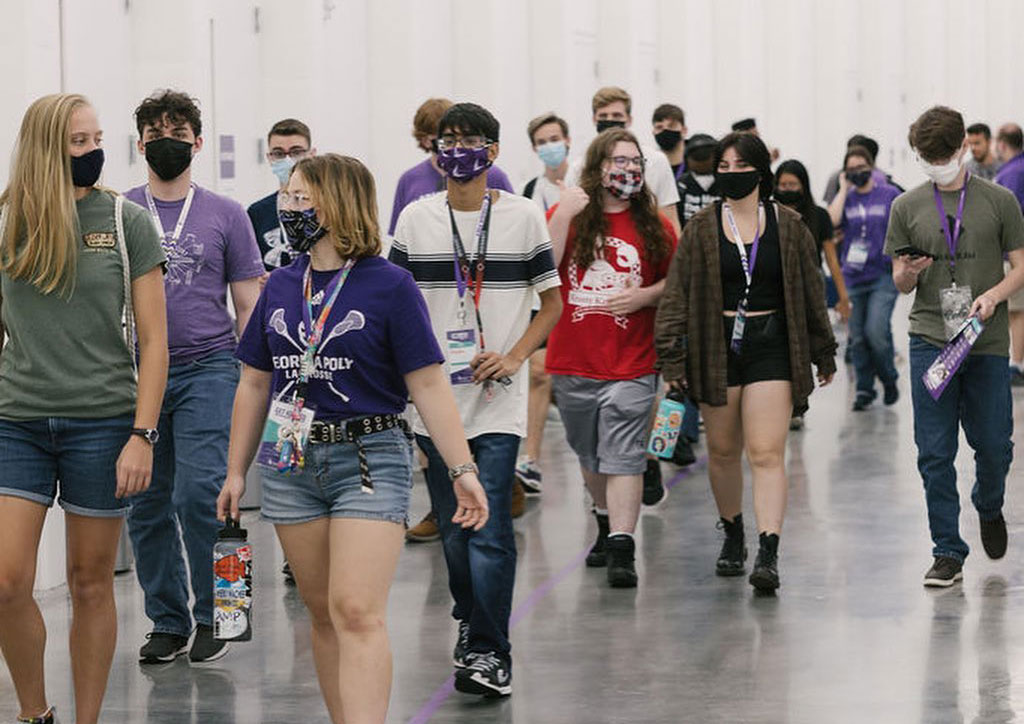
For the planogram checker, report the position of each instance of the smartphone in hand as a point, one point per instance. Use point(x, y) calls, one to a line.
point(913, 252)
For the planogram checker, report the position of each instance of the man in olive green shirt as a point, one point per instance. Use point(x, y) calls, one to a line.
point(967, 239)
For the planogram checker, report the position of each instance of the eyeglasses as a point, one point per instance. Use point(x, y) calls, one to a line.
point(294, 154)
point(450, 140)
point(296, 201)
point(627, 161)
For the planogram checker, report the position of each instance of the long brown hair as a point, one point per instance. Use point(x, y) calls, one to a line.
point(342, 188)
point(39, 244)
point(591, 224)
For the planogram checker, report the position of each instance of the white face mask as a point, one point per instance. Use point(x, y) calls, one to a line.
point(944, 173)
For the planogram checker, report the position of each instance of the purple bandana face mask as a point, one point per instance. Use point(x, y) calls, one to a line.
point(463, 164)
point(624, 184)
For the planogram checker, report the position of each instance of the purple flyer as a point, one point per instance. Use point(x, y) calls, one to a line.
point(941, 371)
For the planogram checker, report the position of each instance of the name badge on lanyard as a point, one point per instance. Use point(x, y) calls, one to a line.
point(464, 342)
point(736, 342)
point(860, 248)
point(179, 227)
point(954, 300)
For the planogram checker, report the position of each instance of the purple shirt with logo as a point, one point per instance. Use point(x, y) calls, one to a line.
point(423, 179)
point(1011, 175)
point(217, 246)
point(378, 331)
point(867, 216)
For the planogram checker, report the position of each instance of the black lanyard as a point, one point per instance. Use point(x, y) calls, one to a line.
point(469, 274)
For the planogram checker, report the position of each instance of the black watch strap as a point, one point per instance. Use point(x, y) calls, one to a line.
point(149, 434)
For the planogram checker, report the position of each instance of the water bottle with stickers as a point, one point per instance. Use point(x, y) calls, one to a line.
point(667, 424)
point(232, 584)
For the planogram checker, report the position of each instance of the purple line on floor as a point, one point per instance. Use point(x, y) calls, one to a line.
point(524, 609)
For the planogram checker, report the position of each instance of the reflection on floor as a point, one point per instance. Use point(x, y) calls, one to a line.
point(851, 637)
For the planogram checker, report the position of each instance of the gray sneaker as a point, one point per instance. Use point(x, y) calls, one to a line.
point(945, 571)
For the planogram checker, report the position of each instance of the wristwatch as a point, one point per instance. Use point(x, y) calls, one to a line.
point(460, 470)
point(149, 434)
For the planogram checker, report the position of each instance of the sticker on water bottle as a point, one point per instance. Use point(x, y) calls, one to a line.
point(232, 592)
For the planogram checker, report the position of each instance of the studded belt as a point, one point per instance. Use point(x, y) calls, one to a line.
point(323, 433)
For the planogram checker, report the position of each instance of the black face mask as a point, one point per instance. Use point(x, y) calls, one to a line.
point(668, 139)
point(604, 124)
point(168, 157)
point(86, 169)
point(789, 197)
point(302, 228)
point(738, 184)
point(858, 178)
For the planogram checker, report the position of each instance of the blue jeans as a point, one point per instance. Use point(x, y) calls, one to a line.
point(978, 397)
point(189, 465)
point(481, 564)
point(871, 333)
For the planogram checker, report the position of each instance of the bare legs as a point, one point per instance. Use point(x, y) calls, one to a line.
point(619, 494)
point(539, 403)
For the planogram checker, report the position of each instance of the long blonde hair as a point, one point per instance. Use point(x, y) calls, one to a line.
point(344, 191)
point(39, 243)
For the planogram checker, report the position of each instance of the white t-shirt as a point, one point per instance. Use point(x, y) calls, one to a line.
point(545, 193)
point(657, 175)
point(518, 263)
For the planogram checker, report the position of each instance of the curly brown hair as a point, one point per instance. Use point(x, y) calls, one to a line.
point(591, 224)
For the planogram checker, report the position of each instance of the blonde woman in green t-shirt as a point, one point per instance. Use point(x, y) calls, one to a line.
point(80, 277)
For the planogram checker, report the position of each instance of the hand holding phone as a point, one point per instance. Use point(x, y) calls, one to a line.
point(913, 252)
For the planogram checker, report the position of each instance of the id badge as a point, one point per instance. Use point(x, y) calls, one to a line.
point(736, 343)
point(281, 435)
point(461, 351)
point(956, 307)
point(858, 254)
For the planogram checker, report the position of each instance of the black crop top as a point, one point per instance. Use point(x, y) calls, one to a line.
point(766, 290)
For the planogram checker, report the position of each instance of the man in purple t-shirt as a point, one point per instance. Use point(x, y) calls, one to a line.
point(210, 247)
point(1010, 145)
point(426, 177)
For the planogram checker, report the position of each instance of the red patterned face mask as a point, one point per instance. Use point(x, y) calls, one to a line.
point(624, 184)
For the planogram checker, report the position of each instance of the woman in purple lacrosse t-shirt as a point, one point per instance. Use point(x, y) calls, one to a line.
point(337, 343)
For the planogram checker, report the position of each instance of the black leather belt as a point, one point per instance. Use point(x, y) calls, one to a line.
point(323, 433)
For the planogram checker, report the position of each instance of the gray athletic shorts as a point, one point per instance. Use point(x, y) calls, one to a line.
point(606, 420)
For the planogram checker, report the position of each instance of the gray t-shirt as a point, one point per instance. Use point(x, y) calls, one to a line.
point(992, 226)
point(66, 354)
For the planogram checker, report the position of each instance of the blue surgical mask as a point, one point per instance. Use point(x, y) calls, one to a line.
point(553, 153)
point(283, 169)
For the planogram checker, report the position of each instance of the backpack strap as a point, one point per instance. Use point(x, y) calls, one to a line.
point(530, 186)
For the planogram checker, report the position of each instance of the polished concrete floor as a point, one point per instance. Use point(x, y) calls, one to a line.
point(851, 637)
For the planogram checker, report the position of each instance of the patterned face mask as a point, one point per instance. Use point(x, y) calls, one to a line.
point(624, 184)
point(463, 164)
point(302, 228)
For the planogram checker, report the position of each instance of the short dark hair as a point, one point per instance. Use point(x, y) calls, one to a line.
point(937, 133)
point(177, 106)
point(469, 118)
point(537, 123)
point(752, 150)
point(668, 112)
point(980, 128)
point(744, 124)
point(290, 127)
point(859, 139)
point(1011, 135)
point(861, 152)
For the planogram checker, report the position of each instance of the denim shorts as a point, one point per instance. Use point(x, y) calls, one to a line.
point(78, 456)
point(330, 485)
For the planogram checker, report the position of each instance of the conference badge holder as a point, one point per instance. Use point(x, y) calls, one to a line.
point(858, 254)
point(952, 356)
point(283, 445)
point(955, 302)
point(461, 352)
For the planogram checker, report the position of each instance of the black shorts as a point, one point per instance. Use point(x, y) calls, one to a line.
point(764, 354)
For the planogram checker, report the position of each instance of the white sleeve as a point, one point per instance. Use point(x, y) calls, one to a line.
point(660, 179)
point(572, 176)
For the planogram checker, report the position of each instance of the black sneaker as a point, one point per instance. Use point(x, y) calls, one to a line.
point(654, 491)
point(733, 555)
point(621, 567)
point(598, 556)
point(162, 647)
point(891, 394)
point(765, 576)
point(286, 571)
point(487, 674)
point(683, 454)
point(461, 651)
point(993, 537)
point(205, 647)
point(945, 571)
point(862, 402)
point(48, 717)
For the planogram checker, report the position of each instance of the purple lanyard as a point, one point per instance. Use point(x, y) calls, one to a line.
point(748, 265)
point(952, 237)
point(681, 170)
